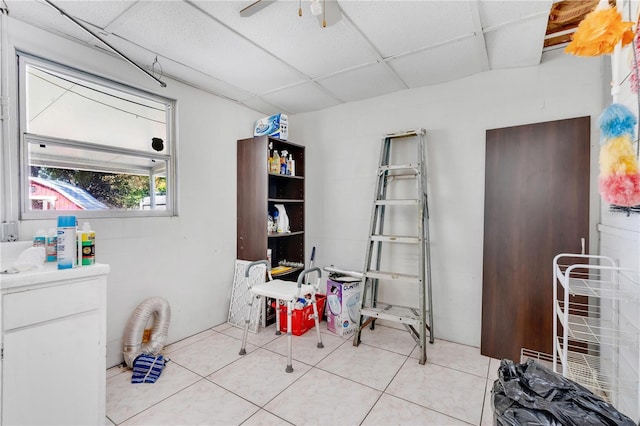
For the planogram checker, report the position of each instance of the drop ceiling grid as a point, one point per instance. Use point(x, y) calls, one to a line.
point(301, 98)
point(263, 106)
point(423, 23)
point(199, 79)
point(99, 13)
point(181, 32)
point(180, 72)
point(299, 41)
point(440, 64)
point(44, 16)
point(368, 81)
point(494, 12)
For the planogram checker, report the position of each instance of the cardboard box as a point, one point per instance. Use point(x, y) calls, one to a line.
point(302, 319)
point(343, 305)
point(276, 125)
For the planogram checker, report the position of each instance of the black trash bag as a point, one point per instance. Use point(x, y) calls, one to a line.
point(530, 394)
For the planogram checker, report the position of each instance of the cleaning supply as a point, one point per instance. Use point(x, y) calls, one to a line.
point(283, 163)
point(78, 247)
point(275, 165)
point(291, 166)
point(40, 239)
point(51, 245)
point(66, 243)
point(88, 238)
point(276, 125)
point(283, 219)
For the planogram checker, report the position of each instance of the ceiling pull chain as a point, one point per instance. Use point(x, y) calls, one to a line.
point(300, 8)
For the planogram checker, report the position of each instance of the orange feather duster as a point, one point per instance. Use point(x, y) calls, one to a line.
point(599, 32)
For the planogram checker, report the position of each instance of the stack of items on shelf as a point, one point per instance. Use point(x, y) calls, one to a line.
point(282, 163)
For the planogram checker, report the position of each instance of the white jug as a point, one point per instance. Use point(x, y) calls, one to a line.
point(283, 219)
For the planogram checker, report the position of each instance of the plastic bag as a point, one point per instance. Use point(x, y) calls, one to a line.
point(31, 258)
point(529, 393)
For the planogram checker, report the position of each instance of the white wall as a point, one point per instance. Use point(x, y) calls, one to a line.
point(620, 234)
point(343, 145)
point(189, 259)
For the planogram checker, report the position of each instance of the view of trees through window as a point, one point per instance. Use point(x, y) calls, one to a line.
point(115, 190)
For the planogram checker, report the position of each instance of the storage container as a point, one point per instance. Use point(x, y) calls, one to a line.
point(302, 319)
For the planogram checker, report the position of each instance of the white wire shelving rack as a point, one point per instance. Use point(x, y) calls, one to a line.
point(596, 328)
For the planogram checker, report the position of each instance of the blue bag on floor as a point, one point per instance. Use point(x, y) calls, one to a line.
point(147, 368)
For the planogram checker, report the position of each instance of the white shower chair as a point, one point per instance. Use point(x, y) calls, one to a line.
point(287, 291)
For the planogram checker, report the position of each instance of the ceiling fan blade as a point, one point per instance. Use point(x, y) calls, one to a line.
point(254, 7)
point(332, 12)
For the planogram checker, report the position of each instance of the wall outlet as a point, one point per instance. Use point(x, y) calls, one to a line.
point(9, 231)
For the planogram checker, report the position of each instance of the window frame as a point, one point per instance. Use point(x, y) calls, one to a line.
point(25, 213)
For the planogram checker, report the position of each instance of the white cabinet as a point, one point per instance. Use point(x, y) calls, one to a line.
point(54, 346)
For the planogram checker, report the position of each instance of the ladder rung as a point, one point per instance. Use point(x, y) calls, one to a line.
point(413, 132)
point(395, 239)
point(385, 313)
point(411, 202)
point(381, 275)
point(397, 176)
point(414, 168)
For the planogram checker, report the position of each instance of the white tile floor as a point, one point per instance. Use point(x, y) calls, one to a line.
point(377, 383)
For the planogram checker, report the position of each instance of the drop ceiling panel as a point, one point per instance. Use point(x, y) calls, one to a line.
point(396, 27)
point(494, 12)
point(44, 16)
point(364, 82)
point(301, 98)
point(267, 60)
point(181, 32)
point(264, 107)
point(98, 12)
point(300, 41)
point(440, 64)
point(201, 80)
point(176, 70)
point(506, 49)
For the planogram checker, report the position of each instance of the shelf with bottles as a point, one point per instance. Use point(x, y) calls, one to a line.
point(285, 159)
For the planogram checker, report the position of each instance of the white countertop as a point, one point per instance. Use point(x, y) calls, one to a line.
point(49, 273)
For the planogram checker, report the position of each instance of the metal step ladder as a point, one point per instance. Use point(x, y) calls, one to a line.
point(417, 319)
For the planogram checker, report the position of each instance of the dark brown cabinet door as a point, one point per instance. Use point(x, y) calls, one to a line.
point(536, 206)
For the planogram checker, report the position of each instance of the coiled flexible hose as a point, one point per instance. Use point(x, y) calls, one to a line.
point(133, 346)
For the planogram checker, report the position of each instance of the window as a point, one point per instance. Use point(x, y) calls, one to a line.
point(92, 146)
